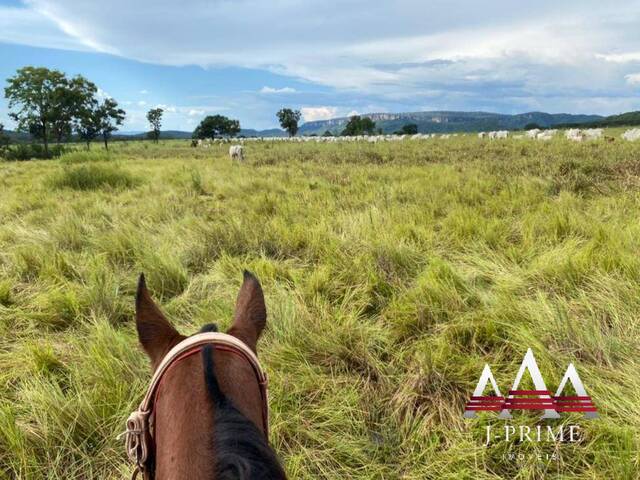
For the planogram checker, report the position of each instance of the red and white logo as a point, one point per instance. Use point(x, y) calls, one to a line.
point(538, 399)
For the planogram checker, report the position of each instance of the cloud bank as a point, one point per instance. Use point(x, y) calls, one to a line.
point(576, 56)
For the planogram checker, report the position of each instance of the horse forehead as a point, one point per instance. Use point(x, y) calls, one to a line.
point(184, 383)
point(234, 373)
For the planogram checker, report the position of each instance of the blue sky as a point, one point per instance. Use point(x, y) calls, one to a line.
point(247, 58)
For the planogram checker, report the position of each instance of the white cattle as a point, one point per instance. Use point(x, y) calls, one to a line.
point(482, 134)
point(574, 134)
point(593, 133)
point(546, 135)
point(533, 133)
point(497, 135)
point(236, 152)
point(632, 135)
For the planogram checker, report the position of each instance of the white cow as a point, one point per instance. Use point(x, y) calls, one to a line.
point(546, 135)
point(533, 133)
point(236, 152)
point(593, 133)
point(632, 135)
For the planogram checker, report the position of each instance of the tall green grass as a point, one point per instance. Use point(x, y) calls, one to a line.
point(392, 273)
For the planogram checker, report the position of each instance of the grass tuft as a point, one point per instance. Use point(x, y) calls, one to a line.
point(93, 177)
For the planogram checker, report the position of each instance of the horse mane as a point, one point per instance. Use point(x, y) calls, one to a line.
point(242, 451)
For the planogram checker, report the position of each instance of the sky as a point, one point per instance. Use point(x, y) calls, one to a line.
point(248, 58)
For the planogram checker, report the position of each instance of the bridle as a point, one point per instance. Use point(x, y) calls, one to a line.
point(139, 436)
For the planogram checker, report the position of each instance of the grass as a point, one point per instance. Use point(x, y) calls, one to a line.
point(392, 273)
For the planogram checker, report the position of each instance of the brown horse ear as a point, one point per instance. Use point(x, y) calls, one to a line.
point(157, 336)
point(250, 316)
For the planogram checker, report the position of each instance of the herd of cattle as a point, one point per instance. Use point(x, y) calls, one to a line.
point(236, 152)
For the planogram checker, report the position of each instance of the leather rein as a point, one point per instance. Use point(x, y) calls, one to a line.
point(139, 435)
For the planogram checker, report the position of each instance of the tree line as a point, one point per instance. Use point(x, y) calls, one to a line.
point(217, 126)
point(51, 107)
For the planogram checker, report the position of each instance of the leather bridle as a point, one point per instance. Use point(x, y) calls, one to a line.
point(139, 435)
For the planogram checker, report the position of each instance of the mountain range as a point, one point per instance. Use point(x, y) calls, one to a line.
point(427, 122)
point(444, 121)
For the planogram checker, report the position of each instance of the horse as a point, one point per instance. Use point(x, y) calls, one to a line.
point(206, 414)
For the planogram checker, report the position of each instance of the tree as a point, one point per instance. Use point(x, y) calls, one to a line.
point(154, 116)
point(86, 115)
point(4, 139)
point(359, 126)
point(327, 133)
point(289, 120)
point(409, 129)
point(36, 94)
point(213, 126)
point(532, 126)
point(111, 117)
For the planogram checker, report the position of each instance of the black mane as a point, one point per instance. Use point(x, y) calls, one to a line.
point(242, 452)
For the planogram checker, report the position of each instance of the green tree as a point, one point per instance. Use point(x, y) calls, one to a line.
point(289, 120)
point(111, 117)
point(35, 93)
point(86, 115)
point(409, 129)
point(154, 116)
point(327, 133)
point(359, 126)
point(4, 139)
point(213, 126)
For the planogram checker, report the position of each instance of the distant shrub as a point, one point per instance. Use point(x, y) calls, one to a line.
point(25, 151)
point(93, 177)
point(85, 156)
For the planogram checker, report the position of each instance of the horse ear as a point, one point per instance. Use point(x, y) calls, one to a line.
point(250, 316)
point(157, 336)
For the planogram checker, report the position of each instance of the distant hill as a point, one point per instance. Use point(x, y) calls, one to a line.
point(443, 121)
point(628, 119)
point(17, 137)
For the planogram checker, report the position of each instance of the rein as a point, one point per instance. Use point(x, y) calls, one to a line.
point(139, 436)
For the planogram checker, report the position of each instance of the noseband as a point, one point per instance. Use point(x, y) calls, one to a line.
point(140, 425)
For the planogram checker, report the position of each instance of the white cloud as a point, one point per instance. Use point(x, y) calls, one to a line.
point(144, 92)
point(633, 78)
point(311, 114)
point(194, 112)
point(167, 108)
point(270, 90)
point(619, 57)
point(497, 54)
point(30, 27)
point(142, 103)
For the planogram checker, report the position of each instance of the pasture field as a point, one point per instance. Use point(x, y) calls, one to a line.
point(392, 273)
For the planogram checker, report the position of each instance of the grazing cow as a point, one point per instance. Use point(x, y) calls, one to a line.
point(632, 135)
point(547, 135)
point(593, 133)
point(574, 134)
point(236, 152)
point(533, 133)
